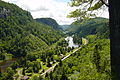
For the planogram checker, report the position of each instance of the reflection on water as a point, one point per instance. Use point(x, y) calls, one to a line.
point(70, 42)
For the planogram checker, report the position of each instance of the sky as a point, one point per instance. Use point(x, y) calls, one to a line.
point(56, 9)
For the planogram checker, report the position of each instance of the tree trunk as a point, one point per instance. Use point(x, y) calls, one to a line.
point(114, 10)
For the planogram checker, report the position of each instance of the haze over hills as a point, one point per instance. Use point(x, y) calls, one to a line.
point(64, 27)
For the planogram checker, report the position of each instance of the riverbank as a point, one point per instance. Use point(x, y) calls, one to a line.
point(67, 56)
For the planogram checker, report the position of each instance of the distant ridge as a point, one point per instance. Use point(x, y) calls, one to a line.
point(91, 26)
point(49, 21)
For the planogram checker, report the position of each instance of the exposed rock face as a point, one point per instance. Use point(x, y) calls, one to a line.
point(4, 12)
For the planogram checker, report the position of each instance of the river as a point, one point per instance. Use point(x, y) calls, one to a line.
point(5, 64)
point(69, 39)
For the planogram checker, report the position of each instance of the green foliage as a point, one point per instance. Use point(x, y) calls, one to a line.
point(14, 65)
point(20, 34)
point(89, 63)
point(2, 56)
point(96, 6)
point(91, 38)
point(98, 26)
point(79, 14)
point(44, 32)
point(37, 48)
point(8, 12)
point(29, 70)
point(49, 21)
point(8, 74)
point(86, 8)
point(77, 40)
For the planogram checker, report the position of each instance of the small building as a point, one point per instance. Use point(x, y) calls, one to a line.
point(25, 78)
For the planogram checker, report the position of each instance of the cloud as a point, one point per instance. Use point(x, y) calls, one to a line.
point(56, 9)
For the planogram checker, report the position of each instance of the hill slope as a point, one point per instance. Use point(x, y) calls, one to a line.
point(64, 27)
point(97, 26)
point(20, 34)
point(49, 21)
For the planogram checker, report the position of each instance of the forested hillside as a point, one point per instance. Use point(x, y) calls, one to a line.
point(98, 26)
point(91, 62)
point(20, 34)
point(27, 47)
point(49, 21)
point(40, 49)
